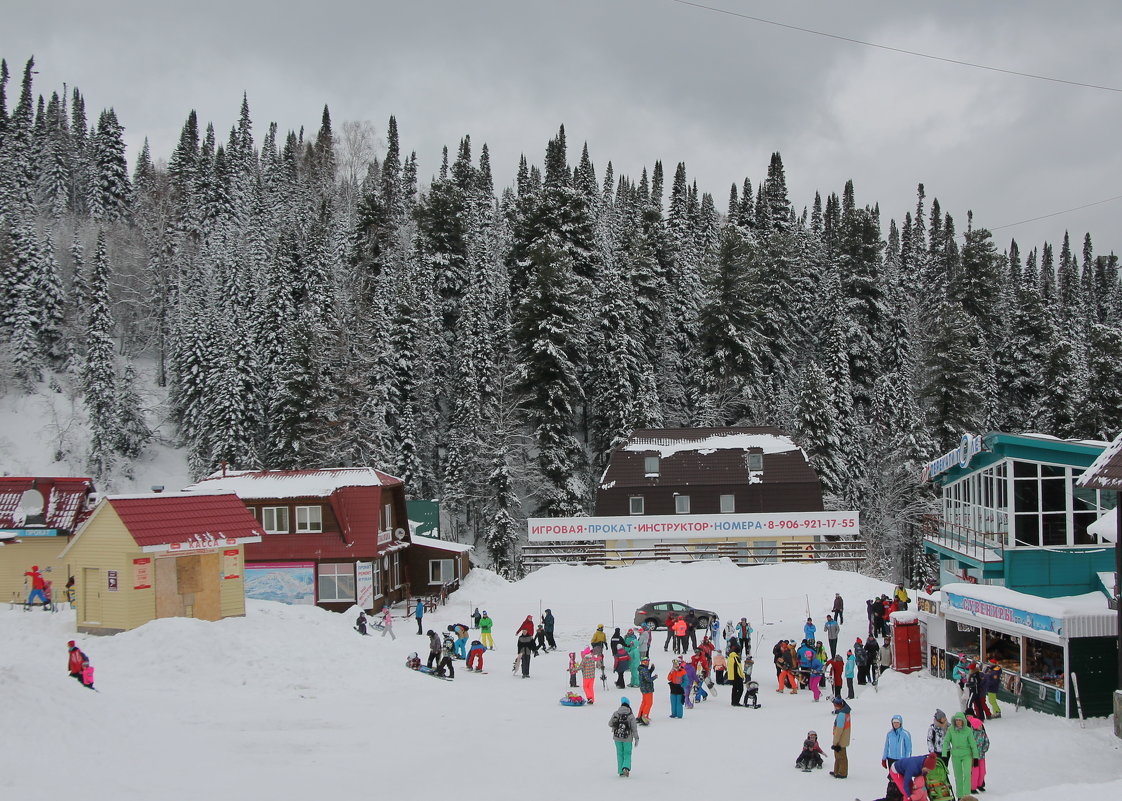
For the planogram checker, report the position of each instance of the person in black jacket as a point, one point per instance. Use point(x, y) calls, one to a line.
point(434, 649)
point(525, 650)
point(872, 659)
point(547, 624)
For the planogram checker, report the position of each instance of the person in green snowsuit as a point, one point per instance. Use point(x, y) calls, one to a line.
point(959, 742)
point(631, 643)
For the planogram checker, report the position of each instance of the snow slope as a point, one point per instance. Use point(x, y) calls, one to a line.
point(290, 703)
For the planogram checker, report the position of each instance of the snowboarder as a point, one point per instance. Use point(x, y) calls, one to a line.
point(447, 649)
point(959, 744)
point(485, 624)
point(360, 624)
point(897, 743)
point(419, 612)
point(76, 661)
point(547, 625)
point(387, 623)
point(625, 733)
point(812, 753)
point(843, 720)
point(475, 656)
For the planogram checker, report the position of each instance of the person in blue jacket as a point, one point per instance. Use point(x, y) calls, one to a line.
point(897, 743)
point(419, 612)
point(850, 669)
point(904, 771)
point(809, 630)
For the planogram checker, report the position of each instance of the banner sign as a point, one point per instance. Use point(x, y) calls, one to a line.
point(200, 542)
point(1007, 614)
point(142, 574)
point(694, 527)
point(364, 580)
point(231, 567)
point(111, 580)
point(32, 532)
point(968, 447)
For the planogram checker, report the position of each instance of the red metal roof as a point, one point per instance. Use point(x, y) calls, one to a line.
point(161, 519)
point(65, 500)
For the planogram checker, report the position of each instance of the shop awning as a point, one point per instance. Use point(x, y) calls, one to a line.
point(1048, 619)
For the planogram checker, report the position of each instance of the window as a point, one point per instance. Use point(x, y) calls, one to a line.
point(395, 570)
point(441, 571)
point(274, 519)
point(681, 504)
point(650, 465)
point(309, 519)
point(728, 504)
point(377, 578)
point(336, 582)
point(637, 505)
point(755, 461)
point(387, 517)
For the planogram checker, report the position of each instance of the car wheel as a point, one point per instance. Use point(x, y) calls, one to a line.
point(703, 623)
point(652, 622)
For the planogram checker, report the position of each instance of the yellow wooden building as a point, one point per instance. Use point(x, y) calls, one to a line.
point(141, 557)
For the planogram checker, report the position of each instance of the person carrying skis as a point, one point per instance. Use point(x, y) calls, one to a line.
point(588, 662)
point(360, 624)
point(547, 626)
point(811, 755)
point(959, 744)
point(647, 678)
point(625, 733)
point(786, 665)
point(599, 641)
point(832, 629)
point(897, 743)
point(485, 624)
point(475, 657)
point(387, 623)
point(419, 612)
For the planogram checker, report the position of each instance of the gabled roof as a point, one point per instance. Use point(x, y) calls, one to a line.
point(264, 484)
point(65, 500)
point(176, 519)
point(707, 456)
point(1106, 471)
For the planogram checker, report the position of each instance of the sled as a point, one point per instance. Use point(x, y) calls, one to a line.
point(568, 701)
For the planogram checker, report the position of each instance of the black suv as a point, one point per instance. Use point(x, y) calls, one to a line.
point(657, 611)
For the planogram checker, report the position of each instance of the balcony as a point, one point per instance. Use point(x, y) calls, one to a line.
point(956, 541)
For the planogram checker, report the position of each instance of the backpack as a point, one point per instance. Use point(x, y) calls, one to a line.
point(622, 728)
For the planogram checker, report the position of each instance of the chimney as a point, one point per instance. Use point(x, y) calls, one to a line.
point(224, 468)
point(157, 488)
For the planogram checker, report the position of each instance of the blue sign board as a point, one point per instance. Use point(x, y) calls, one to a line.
point(32, 532)
point(1007, 614)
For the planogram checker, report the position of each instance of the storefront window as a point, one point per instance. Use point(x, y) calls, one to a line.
point(962, 638)
point(1006, 649)
point(1044, 662)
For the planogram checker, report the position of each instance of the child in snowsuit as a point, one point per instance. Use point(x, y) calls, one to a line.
point(387, 624)
point(812, 753)
point(573, 668)
point(978, 774)
point(76, 662)
point(625, 733)
point(360, 624)
point(959, 744)
point(413, 662)
point(446, 652)
point(475, 657)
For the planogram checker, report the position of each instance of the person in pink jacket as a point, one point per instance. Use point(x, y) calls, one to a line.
point(387, 623)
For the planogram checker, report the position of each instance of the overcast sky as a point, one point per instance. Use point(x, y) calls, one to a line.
point(640, 81)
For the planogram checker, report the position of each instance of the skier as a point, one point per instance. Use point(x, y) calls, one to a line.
point(625, 733)
point(811, 755)
point(647, 678)
point(539, 639)
point(38, 587)
point(475, 655)
point(485, 624)
point(675, 679)
point(360, 624)
point(839, 608)
point(547, 625)
point(897, 743)
point(419, 612)
point(959, 744)
point(387, 623)
point(832, 628)
point(843, 720)
point(588, 662)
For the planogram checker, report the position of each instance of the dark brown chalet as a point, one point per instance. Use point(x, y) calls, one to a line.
point(333, 537)
point(700, 471)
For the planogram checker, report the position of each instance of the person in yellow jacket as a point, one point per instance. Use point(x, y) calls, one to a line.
point(599, 641)
point(843, 720)
point(735, 675)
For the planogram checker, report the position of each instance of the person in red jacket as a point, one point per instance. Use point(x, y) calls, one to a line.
point(38, 586)
point(76, 662)
point(527, 627)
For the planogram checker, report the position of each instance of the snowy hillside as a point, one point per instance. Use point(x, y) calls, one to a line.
point(290, 703)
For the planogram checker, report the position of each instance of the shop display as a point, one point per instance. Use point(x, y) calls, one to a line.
point(1045, 663)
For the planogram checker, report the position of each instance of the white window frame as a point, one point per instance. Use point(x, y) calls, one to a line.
point(387, 517)
point(681, 504)
point(395, 570)
point(336, 571)
point(377, 574)
point(636, 505)
point(309, 525)
point(648, 463)
point(755, 462)
point(269, 521)
point(437, 569)
point(728, 504)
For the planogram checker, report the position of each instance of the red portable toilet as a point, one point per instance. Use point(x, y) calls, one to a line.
point(907, 645)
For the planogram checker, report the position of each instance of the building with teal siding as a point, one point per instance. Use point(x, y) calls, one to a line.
point(1021, 571)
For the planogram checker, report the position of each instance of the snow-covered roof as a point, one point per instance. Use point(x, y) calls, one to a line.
point(1106, 471)
point(440, 545)
point(1085, 615)
point(1106, 527)
point(291, 483)
point(768, 443)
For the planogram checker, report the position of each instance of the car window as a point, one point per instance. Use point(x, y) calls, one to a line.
point(678, 607)
point(661, 607)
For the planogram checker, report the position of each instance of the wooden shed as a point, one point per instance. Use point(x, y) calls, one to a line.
point(142, 557)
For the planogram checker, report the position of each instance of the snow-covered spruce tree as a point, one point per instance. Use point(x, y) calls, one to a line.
point(99, 384)
point(1101, 413)
point(862, 291)
point(17, 162)
point(110, 188)
point(53, 153)
point(546, 348)
point(817, 430)
point(294, 397)
point(133, 433)
point(1064, 384)
point(50, 302)
point(953, 395)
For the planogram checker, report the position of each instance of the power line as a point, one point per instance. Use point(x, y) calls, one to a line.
point(894, 49)
point(1056, 213)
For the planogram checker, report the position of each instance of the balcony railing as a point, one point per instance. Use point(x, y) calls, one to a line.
point(985, 546)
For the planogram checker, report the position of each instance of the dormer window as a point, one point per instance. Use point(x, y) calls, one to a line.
point(650, 465)
point(755, 462)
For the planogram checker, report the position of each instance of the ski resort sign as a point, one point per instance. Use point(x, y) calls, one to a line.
point(694, 527)
point(968, 447)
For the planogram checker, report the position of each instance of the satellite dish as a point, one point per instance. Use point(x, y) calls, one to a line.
point(399, 533)
point(31, 503)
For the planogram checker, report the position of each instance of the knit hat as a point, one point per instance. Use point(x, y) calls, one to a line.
point(70, 644)
point(625, 701)
point(929, 762)
point(940, 714)
point(586, 652)
point(858, 639)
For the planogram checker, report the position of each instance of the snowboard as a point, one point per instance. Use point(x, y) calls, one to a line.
point(429, 672)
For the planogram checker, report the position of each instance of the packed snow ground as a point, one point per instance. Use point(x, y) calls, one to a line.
point(290, 703)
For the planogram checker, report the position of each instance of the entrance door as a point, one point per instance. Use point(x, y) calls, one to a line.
point(91, 594)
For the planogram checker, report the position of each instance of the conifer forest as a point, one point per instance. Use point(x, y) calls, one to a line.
point(323, 299)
